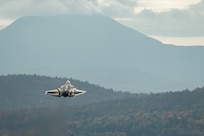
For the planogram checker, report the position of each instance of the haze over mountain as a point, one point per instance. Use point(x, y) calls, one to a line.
point(99, 50)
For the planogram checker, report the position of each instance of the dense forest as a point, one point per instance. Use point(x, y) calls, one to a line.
point(112, 113)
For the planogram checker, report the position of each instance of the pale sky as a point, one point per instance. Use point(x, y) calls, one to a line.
point(177, 22)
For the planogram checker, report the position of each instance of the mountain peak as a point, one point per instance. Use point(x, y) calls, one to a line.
point(97, 49)
point(83, 26)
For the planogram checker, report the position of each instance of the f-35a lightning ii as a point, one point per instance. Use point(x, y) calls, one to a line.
point(66, 90)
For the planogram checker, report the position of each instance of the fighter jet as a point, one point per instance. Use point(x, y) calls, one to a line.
point(66, 90)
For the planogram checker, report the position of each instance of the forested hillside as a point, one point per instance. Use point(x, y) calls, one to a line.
point(166, 114)
point(27, 91)
point(161, 114)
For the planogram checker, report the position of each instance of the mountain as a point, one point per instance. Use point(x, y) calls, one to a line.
point(98, 49)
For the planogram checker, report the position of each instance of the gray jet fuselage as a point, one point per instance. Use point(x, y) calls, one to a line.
point(66, 90)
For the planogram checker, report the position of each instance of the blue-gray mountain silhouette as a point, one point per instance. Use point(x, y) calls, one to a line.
point(99, 50)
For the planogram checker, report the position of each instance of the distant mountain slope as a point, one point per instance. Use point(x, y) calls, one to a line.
point(27, 92)
point(99, 50)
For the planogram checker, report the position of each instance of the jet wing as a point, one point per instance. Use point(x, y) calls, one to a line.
point(77, 92)
point(54, 92)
